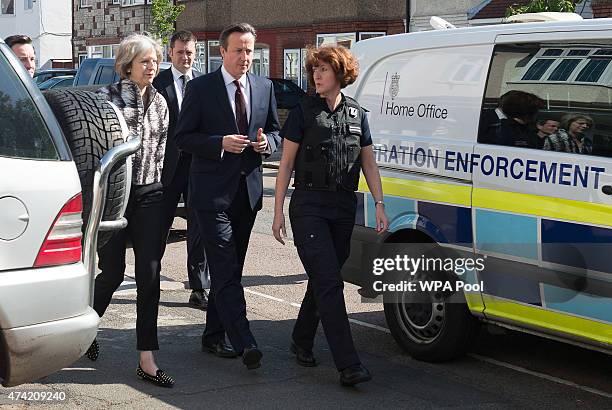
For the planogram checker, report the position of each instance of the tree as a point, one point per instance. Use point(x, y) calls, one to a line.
point(164, 14)
point(536, 6)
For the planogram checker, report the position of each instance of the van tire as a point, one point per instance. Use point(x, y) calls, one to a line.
point(432, 326)
point(455, 337)
point(91, 128)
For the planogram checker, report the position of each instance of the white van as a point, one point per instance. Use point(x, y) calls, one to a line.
point(541, 220)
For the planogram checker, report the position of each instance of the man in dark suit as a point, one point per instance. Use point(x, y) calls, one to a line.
point(175, 174)
point(227, 123)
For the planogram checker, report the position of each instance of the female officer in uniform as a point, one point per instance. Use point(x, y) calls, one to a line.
point(327, 142)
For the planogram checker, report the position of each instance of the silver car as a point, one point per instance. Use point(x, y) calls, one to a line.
point(46, 322)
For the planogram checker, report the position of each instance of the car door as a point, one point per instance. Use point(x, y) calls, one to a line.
point(542, 217)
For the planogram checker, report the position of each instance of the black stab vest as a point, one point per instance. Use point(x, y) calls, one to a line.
point(329, 155)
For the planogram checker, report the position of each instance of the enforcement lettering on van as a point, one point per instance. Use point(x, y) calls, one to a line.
point(520, 169)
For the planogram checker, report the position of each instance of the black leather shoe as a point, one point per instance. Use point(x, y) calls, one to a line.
point(198, 299)
point(251, 357)
point(354, 374)
point(94, 351)
point(302, 356)
point(160, 378)
point(219, 349)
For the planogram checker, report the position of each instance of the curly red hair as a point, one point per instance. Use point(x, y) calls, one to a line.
point(339, 58)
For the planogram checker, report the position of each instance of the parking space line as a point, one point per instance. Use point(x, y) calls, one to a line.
point(297, 305)
point(540, 375)
point(472, 355)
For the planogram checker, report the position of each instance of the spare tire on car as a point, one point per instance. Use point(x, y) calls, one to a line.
point(92, 128)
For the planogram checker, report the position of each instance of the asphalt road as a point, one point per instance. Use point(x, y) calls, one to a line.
point(504, 369)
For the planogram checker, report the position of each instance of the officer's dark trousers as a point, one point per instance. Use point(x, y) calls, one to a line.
point(322, 224)
point(226, 239)
point(144, 215)
point(196, 258)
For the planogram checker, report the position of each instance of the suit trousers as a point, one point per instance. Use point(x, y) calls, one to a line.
point(226, 238)
point(196, 257)
point(322, 224)
point(144, 215)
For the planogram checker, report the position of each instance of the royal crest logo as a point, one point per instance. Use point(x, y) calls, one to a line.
point(394, 86)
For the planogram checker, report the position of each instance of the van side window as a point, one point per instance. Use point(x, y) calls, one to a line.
point(550, 96)
point(23, 133)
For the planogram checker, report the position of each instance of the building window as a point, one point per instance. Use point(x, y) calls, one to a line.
point(199, 62)
point(341, 39)
point(364, 35)
point(132, 2)
point(116, 1)
point(8, 6)
point(86, 3)
point(294, 62)
point(81, 58)
point(261, 61)
point(28, 4)
point(214, 56)
point(105, 51)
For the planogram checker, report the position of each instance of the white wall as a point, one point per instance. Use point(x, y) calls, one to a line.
point(49, 23)
point(55, 30)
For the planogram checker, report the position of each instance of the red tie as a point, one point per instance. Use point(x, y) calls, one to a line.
point(241, 114)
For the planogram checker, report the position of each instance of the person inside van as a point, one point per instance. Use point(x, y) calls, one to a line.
point(516, 115)
point(544, 127)
point(571, 136)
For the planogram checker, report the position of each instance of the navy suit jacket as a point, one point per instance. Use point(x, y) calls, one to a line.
point(206, 116)
point(164, 83)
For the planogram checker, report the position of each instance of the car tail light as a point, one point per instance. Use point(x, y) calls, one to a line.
point(63, 242)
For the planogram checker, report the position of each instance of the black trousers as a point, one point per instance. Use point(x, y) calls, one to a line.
point(196, 257)
point(322, 224)
point(226, 240)
point(144, 215)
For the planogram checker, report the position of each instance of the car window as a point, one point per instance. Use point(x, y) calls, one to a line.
point(105, 75)
point(23, 133)
point(66, 82)
point(85, 71)
point(572, 111)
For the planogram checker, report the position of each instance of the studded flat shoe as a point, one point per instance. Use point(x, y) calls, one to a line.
point(160, 378)
point(94, 351)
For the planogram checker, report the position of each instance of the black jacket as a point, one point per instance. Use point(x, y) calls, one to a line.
point(164, 83)
point(207, 116)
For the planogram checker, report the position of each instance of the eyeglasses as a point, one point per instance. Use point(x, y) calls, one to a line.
point(148, 63)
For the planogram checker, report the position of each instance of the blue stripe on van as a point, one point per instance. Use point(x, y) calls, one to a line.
point(511, 287)
point(578, 303)
point(454, 223)
point(577, 245)
point(394, 207)
point(507, 234)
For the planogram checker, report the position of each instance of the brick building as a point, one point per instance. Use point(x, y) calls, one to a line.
point(284, 27)
point(99, 25)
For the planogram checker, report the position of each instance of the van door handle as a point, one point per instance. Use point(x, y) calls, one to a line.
point(607, 189)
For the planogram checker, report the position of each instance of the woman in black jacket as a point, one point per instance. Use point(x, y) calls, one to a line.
point(327, 142)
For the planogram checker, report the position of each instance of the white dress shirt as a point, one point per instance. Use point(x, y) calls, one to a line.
point(178, 84)
point(231, 91)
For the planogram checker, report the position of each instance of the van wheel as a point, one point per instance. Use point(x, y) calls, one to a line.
point(91, 128)
point(431, 326)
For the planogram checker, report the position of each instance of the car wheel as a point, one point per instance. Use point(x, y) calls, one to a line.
point(92, 128)
point(432, 326)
